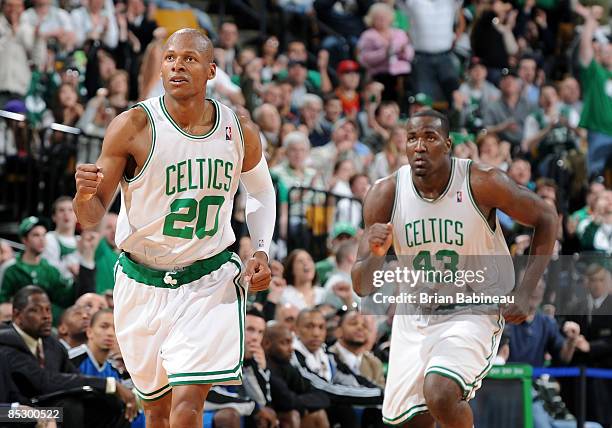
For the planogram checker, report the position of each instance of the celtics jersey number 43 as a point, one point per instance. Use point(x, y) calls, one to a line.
point(178, 208)
point(450, 234)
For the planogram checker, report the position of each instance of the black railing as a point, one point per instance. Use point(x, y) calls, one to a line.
point(37, 165)
point(312, 216)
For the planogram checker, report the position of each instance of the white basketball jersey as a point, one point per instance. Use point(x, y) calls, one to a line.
point(450, 232)
point(178, 209)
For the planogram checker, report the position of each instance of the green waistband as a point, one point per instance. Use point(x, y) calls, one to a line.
point(172, 279)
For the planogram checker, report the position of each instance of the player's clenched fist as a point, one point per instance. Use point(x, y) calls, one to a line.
point(380, 238)
point(257, 274)
point(88, 177)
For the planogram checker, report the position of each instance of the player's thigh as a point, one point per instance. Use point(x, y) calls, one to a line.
point(192, 396)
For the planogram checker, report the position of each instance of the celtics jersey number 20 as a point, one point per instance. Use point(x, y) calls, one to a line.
point(178, 208)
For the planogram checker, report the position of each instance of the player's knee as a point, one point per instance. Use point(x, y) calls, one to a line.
point(157, 412)
point(226, 418)
point(441, 394)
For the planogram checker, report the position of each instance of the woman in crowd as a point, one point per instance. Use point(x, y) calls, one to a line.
point(385, 52)
point(302, 290)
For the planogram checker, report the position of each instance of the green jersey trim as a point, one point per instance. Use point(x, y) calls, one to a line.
point(474, 204)
point(153, 139)
point(206, 381)
point(443, 194)
point(155, 395)
point(172, 279)
point(186, 134)
point(407, 415)
point(396, 196)
point(239, 130)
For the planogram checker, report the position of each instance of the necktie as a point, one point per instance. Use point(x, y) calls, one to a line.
point(40, 355)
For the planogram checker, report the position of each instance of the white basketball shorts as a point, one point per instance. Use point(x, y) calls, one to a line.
point(183, 327)
point(460, 346)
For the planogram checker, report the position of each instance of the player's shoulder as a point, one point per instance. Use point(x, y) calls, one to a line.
point(385, 186)
point(488, 183)
point(129, 123)
point(380, 200)
point(481, 173)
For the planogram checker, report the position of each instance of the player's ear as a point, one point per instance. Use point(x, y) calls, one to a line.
point(449, 145)
point(212, 71)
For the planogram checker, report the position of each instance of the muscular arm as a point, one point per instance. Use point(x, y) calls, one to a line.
point(261, 198)
point(377, 210)
point(118, 146)
point(493, 189)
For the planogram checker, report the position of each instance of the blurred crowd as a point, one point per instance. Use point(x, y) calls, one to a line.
point(526, 84)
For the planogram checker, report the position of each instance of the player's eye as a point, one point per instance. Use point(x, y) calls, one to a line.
point(169, 57)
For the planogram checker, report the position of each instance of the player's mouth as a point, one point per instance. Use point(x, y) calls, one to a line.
point(178, 80)
point(420, 162)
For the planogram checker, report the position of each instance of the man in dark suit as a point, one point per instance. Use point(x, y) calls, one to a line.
point(39, 365)
point(594, 347)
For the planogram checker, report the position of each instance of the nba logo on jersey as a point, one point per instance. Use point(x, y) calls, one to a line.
point(459, 196)
point(228, 133)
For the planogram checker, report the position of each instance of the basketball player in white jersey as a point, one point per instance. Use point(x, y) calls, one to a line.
point(439, 208)
point(179, 295)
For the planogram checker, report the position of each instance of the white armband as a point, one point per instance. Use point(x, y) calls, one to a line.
point(260, 205)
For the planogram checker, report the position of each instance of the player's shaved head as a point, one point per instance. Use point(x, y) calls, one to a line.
point(202, 43)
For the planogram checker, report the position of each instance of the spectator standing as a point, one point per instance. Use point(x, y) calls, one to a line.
point(386, 53)
point(139, 22)
point(492, 38)
point(96, 21)
point(595, 76)
point(55, 24)
point(346, 18)
point(434, 70)
point(22, 43)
